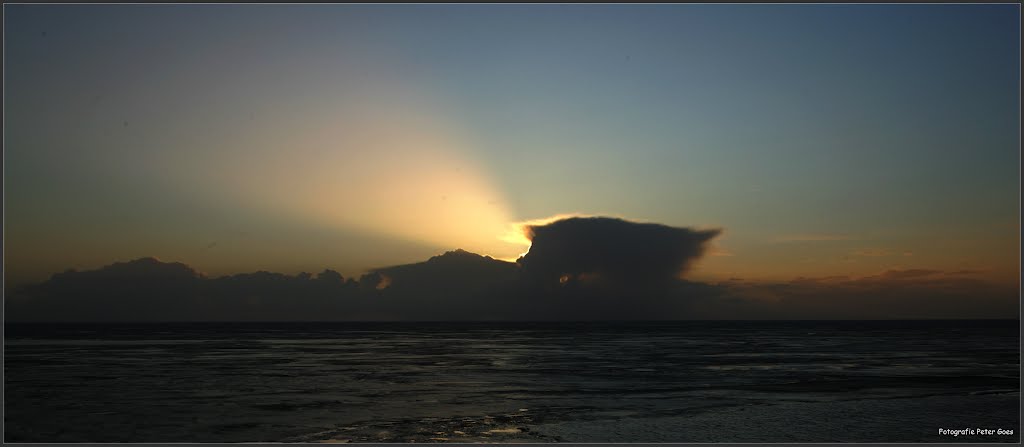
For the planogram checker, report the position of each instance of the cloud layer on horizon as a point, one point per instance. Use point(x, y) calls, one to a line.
point(438, 290)
point(577, 269)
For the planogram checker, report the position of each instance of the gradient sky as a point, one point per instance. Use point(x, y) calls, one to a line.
point(824, 139)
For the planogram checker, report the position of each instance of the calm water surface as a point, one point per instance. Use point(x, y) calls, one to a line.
point(537, 382)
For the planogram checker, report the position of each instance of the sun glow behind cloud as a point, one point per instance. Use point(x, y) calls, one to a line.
point(519, 233)
point(385, 161)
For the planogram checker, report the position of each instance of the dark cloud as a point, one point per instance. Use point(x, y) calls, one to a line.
point(148, 289)
point(616, 270)
point(458, 269)
point(611, 250)
point(138, 289)
point(457, 285)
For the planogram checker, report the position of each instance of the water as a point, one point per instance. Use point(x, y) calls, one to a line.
point(526, 382)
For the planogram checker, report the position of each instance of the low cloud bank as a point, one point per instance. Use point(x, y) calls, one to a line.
point(577, 269)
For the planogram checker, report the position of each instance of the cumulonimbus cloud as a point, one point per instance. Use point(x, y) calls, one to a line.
point(612, 249)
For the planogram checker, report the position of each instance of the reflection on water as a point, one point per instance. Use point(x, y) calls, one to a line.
point(508, 381)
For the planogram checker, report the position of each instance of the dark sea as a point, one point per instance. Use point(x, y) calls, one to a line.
point(738, 381)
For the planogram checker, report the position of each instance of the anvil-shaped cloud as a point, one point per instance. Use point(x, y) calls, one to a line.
point(612, 250)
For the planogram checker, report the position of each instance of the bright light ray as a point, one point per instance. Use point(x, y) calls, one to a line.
point(386, 164)
point(518, 232)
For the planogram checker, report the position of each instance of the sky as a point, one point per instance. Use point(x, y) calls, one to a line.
point(822, 140)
